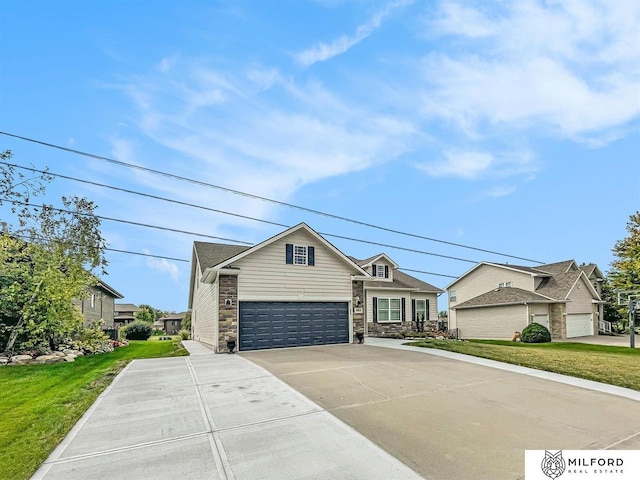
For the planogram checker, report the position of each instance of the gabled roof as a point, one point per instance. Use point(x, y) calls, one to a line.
point(559, 267)
point(560, 286)
point(126, 307)
point(371, 260)
point(590, 270)
point(110, 290)
point(173, 316)
point(212, 254)
point(504, 296)
point(300, 226)
point(403, 281)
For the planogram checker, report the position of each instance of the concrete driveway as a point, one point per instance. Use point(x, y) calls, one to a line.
point(611, 340)
point(450, 419)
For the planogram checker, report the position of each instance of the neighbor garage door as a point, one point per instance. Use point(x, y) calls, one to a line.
point(491, 322)
point(292, 324)
point(579, 325)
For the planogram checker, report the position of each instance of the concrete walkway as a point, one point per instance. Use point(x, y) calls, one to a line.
point(610, 340)
point(555, 377)
point(212, 417)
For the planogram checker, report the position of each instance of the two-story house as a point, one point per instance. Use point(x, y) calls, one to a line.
point(99, 304)
point(494, 300)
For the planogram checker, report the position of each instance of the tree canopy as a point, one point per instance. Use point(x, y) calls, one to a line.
point(48, 257)
point(625, 272)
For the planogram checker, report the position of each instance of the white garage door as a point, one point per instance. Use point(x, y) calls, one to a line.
point(579, 325)
point(491, 322)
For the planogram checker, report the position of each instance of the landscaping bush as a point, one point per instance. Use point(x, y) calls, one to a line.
point(137, 330)
point(184, 334)
point(535, 333)
point(158, 332)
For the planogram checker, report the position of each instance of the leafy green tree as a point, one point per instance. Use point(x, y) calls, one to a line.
point(46, 261)
point(146, 314)
point(186, 322)
point(625, 272)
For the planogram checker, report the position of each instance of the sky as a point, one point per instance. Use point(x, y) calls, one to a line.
point(504, 126)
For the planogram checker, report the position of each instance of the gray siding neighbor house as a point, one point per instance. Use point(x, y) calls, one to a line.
point(297, 289)
point(494, 300)
point(99, 304)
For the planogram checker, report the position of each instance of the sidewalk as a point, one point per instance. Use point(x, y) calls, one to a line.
point(212, 417)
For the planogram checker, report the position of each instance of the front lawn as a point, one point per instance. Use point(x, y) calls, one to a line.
point(40, 403)
point(613, 365)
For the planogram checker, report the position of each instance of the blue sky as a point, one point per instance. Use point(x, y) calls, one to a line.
point(507, 126)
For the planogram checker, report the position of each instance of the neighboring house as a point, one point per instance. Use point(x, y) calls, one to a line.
point(158, 325)
point(297, 289)
point(99, 304)
point(494, 300)
point(124, 313)
point(172, 323)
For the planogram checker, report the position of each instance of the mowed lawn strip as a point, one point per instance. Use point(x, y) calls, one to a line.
point(41, 403)
point(613, 365)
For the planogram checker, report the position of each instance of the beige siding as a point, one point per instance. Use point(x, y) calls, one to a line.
point(204, 319)
point(482, 280)
point(492, 322)
point(386, 263)
point(433, 304)
point(580, 298)
point(264, 275)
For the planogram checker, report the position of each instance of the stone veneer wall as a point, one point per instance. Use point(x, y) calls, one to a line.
point(384, 329)
point(227, 316)
point(558, 320)
point(357, 289)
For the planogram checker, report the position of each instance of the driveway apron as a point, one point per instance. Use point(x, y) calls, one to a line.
point(451, 416)
point(212, 417)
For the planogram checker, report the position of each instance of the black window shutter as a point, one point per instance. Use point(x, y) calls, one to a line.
point(427, 306)
point(311, 256)
point(413, 309)
point(404, 313)
point(375, 272)
point(289, 253)
point(386, 271)
point(375, 309)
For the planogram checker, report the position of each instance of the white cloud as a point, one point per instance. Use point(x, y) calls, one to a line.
point(570, 68)
point(474, 165)
point(500, 191)
point(162, 265)
point(166, 64)
point(324, 51)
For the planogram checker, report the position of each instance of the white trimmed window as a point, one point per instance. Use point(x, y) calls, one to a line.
point(389, 309)
point(421, 309)
point(504, 284)
point(453, 296)
point(93, 300)
point(380, 271)
point(299, 255)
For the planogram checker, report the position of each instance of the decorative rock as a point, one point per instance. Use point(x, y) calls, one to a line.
point(49, 359)
point(4, 360)
point(69, 358)
point(69, 351)
point(21, 359)
point(59, 354)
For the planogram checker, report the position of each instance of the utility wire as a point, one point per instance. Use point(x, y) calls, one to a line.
point(146, 225)
point(428, 273)
point(264, 199)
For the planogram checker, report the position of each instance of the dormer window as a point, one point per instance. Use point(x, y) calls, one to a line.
point(380, 271)
point(504, 284)
point(299, 255)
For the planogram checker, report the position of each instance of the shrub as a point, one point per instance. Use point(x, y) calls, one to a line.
point(184, 334)
point(535, 333)
point(158, 333)
point(137, 330)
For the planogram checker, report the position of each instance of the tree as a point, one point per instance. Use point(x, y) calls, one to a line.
point(625, 274)
point(47, 260)
point(146, 314)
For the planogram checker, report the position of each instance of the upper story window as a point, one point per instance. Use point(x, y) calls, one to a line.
point(93, 300)
point(504, 284)
point(453, 296)
point(300, 254)
point(380, 271)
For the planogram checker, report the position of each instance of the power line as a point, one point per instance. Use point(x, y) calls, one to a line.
point(264, 199)
point(428, 273)
point(157, 227)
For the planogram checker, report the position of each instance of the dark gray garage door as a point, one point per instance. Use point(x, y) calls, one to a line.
point(292, 324)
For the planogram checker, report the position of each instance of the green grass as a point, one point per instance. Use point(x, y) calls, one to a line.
point(613, 365)
point(40, 403)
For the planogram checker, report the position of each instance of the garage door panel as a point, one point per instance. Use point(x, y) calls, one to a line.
point(288, 324)
point(579, 325)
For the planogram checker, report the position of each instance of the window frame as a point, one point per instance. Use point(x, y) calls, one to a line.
point(453, 296)
point(387, 311)
point(421, 310)
point(380, 271)
point(505, 284)
point(298, 255)
point(93, 300)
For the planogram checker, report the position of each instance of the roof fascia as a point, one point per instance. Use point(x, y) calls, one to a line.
point(506, 304)
point(370, 262)
point(593, 291)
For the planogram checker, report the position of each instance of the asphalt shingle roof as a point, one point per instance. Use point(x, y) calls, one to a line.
point(558, 267)
point(559, 285)
point(503, 296)
point(211, 254)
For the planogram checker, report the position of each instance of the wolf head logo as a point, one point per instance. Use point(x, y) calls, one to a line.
point(553, 464)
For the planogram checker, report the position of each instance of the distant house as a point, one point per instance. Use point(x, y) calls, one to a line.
point(124, 313)
point(494, 300)
point(99, 304)
point(172, 323)
point(297, 289)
